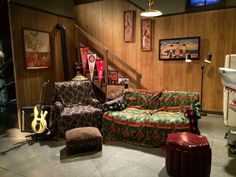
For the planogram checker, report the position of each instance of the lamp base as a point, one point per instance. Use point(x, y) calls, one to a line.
point(202, 113)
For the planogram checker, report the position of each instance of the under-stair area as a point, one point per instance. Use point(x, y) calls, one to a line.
point(102, 67)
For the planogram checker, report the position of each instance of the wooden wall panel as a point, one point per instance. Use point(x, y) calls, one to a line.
point(104, 21)
point(28, 82)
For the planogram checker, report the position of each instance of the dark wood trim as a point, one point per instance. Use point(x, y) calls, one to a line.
point(136, 5)
point(45, 11)
point(213, 112)
point(188, 12)
point(78, 2)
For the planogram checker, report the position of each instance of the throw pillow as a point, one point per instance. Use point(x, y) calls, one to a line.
point(142, 99)
point(117, 104)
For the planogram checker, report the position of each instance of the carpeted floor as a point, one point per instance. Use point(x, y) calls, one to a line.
point(48, 158)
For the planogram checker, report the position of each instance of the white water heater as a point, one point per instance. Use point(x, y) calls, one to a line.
point(229, 114)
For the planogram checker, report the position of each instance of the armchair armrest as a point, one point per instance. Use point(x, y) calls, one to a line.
point(58, 106)
point(56, 110)
point(95, 103)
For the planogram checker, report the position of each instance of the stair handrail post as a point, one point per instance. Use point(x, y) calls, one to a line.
point(138, 83)
point(106, 65)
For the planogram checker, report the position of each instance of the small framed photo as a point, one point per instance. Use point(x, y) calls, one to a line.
point(112, 77)
point(178, 48)
point(129, 20)
point(37, 49)
point(123, 80)
point(146, 34)
point(114, 91)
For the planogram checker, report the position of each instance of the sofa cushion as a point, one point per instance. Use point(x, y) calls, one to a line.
point(142, 99)
point(150, 118)
point(177, 100)
point(142, 127)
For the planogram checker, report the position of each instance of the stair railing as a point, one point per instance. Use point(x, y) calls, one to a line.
point(109, 57)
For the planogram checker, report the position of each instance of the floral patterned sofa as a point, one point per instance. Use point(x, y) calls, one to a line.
point(75, 105)
point(150, 116)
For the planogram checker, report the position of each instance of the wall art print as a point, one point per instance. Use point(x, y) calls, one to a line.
point(37, 49)
point(114, 91)
point(146, 34)
point(112, 76)
point(178, 48)
point(129, 18)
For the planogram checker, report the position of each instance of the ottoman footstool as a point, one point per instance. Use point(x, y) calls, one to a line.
point(83, 139)
point(188, 155)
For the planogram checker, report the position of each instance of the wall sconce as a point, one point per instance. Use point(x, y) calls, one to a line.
point(151, 12)
point(207, 60)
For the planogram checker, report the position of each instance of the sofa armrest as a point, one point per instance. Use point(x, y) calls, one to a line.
point(193, 114)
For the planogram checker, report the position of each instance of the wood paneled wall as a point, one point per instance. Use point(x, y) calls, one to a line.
point(104, 21)
point(28, 82)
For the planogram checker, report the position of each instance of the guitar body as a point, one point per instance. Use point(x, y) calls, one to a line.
point(39, 124)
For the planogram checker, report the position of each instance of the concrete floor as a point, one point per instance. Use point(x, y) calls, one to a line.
point(48, 158)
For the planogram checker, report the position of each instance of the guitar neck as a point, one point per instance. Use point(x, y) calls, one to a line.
point(41, 98)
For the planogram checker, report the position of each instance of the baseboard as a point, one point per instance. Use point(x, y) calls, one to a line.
point(213, 112)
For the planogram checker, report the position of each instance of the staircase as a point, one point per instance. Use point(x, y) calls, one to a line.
point(111, 62)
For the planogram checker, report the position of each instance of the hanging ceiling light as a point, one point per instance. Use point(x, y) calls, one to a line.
point(151, 12)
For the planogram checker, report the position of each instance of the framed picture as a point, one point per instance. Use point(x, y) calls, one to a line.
point(112, 77)
point(123, 80)
point(37, 49)
point(146, 34)
point(129, 17)
point(114, 91)
point(178, 48)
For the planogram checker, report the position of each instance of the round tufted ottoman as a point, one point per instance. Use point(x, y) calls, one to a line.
point(83, 139)
point(188, 155)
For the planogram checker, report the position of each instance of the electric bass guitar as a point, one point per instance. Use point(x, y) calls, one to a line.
point(39, 124)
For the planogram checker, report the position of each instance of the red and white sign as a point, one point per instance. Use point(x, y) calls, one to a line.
point(84, 54)
point(100, 69)
point(91, 61)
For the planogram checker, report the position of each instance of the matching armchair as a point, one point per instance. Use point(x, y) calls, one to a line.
point(74, 105)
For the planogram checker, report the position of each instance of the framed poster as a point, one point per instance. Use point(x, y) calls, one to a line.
point(178, 48)
point(37, 49)
point(146, 34)
point(112, 77)
point(114, 91)
point(129, 17)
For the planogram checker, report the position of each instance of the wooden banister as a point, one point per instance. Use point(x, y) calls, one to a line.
point(109, 57)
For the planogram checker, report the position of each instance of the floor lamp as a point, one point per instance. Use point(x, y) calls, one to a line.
point(207, 60)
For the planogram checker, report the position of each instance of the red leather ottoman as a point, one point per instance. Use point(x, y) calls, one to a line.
point(188, 155)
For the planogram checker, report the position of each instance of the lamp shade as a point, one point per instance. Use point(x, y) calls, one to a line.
point(151, 12)
point(188, 58)
point(208, 58)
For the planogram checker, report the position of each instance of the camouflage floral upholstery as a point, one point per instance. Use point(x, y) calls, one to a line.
point(75, 105)
point(147, 124)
